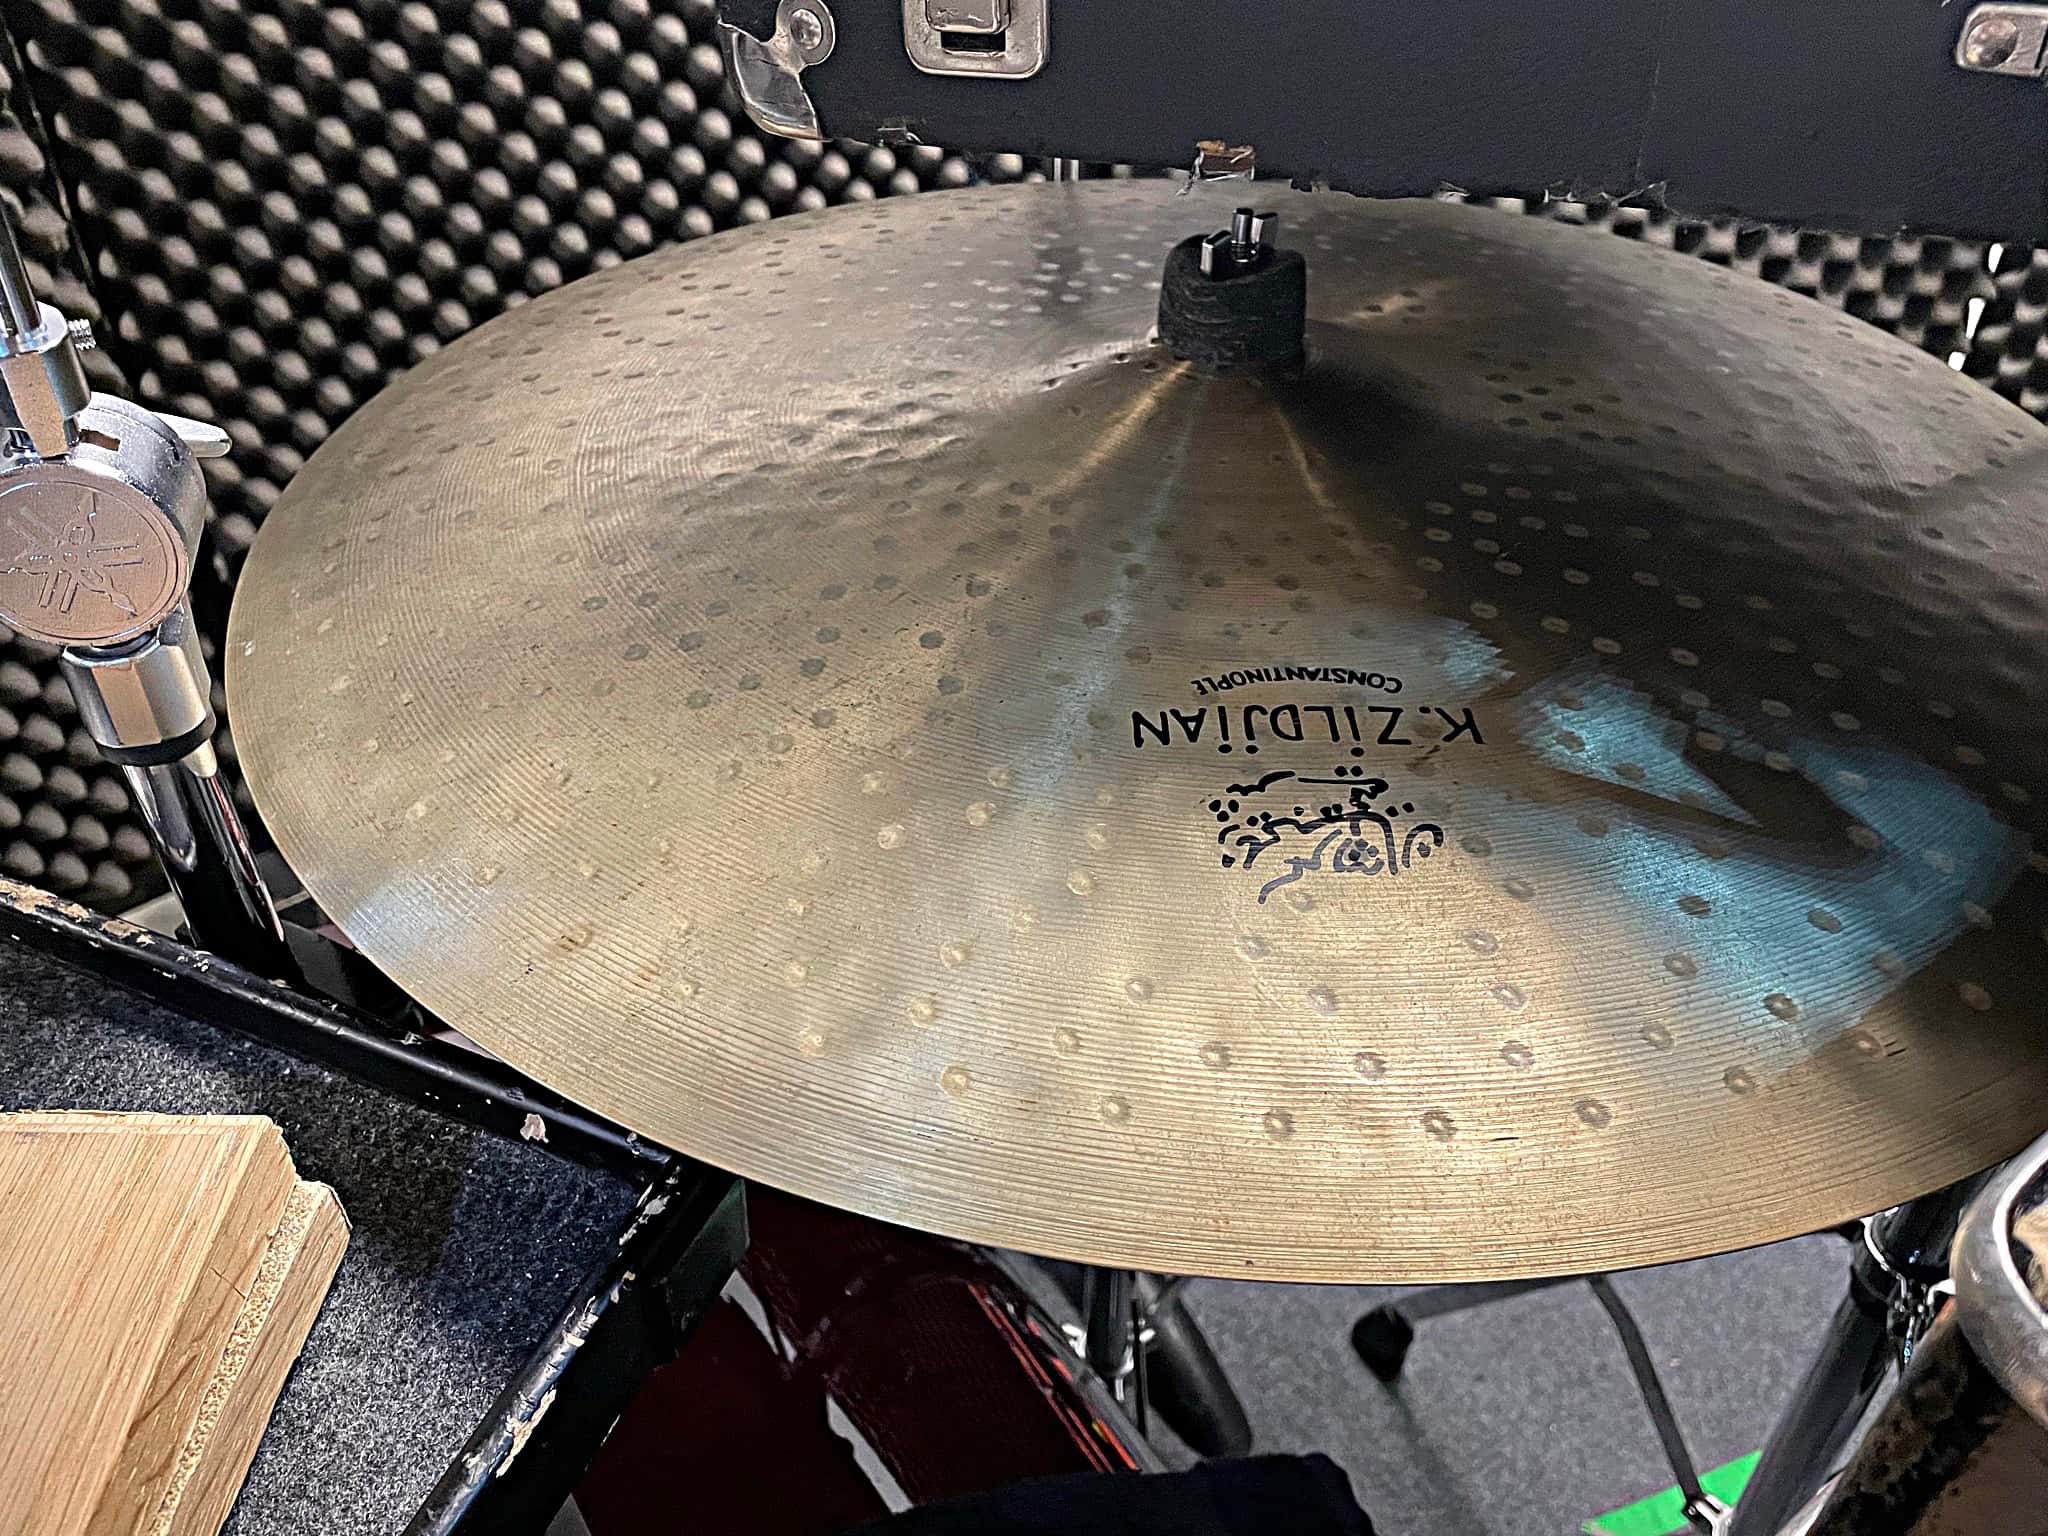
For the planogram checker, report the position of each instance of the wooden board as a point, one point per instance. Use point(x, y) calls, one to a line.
point(157, 1277)
point(266, 1338)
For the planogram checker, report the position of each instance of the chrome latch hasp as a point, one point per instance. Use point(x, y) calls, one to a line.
point(766, 75)
point(1004, 39)
point(2004, 40)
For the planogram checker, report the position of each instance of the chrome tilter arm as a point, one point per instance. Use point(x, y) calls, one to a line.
point(102, 505)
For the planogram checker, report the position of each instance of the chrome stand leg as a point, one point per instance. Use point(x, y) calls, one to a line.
point(146, 704)
point(1815, 1427)
point(206, 856)
point(1892, 1295)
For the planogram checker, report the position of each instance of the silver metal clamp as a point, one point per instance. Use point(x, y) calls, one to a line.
point(42, 382)
point(102, 507)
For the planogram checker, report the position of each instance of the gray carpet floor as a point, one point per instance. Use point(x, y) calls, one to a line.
point(1520, 1419)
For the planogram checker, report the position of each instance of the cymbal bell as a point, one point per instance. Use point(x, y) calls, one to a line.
point(1548, 786)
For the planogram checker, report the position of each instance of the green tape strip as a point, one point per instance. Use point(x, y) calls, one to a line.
point(1663, 1514)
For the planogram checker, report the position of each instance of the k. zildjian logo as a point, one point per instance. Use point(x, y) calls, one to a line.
point(1351, 834)
point(1287, 825)
point(1247, 727)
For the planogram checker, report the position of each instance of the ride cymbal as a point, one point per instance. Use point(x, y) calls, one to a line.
point(1546, 788)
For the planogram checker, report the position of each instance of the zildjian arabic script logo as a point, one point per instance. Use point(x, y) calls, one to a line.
point(72, 559)
point(1353, 834)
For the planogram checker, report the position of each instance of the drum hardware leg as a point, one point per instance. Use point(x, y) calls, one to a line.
point(1185, 1383)
point(1141, 1374)
point(630, 1317)
point(1037, 1303)
point(1702, 1510)
point(1899, 1264)
point(1382, 1336)
point(1108, 1335)
point(1172, 1371)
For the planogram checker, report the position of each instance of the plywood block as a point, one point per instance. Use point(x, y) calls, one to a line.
point(132, 1248)
point(266, 1338)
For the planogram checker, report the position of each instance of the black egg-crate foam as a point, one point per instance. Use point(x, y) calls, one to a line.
point(65, 817)
point(2011, 346)
point(1918, 289)
point(286, 203)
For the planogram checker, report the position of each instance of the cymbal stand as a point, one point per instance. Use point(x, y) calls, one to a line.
point(1382, 1337)
point(102, 505)
point(1135, 1331)
point(1897, 1276)
point(1961, 1442)
point(1112, 1336)
point(1109, 1322)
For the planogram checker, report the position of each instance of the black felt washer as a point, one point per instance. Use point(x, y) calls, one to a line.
point(1253, 318)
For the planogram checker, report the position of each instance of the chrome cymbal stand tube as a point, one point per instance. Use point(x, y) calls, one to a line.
point(1896, 1279)
point(1898, 1275)
point(1960, 1447)
point(102, 506)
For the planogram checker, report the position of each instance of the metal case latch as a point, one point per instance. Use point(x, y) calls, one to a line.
point(1004, 38)
point(767, 75)
point(2004, 40)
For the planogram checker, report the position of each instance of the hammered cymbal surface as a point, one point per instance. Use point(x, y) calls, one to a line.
point(1549, 788)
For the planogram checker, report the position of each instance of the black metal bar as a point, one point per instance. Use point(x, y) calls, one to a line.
point(1141, 1379)
point(1903, 1247)
point(205, 854)
point(449, 1080)
point(1822, 1414)
point(545, 1427)
point(1644, 1369)
point(1443, 1300)
point(1106, 1315)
